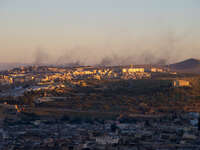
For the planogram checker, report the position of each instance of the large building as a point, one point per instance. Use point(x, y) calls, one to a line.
point(132, 70)
point(181, 83)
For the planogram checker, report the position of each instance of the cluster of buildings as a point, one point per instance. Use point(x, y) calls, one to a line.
point(49, 74)
point(16, 81)
point(172, 131)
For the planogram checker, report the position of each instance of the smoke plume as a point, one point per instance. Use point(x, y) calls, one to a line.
point(162, 49)
point(41, 57)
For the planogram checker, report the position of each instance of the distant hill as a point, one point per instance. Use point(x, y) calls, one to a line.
point(187, 66)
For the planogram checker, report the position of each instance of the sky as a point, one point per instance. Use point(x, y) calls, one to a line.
point(93, 31)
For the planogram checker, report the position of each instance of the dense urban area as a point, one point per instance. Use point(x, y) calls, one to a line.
point(136, 107)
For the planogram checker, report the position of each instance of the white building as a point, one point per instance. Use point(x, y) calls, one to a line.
point(103, 140)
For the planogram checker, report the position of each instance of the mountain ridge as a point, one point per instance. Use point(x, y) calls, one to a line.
point(190, 65)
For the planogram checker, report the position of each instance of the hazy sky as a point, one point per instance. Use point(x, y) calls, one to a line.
point(88, 30)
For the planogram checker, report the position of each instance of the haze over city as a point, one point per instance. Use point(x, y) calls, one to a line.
point(99, 75)
point(90, 32)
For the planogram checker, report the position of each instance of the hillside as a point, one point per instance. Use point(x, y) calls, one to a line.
point(187, 66)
